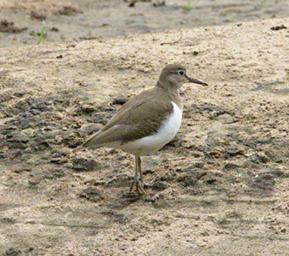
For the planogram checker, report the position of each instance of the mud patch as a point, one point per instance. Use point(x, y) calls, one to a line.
point(9, 27)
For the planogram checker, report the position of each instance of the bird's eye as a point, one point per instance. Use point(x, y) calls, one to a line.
point(181, 72)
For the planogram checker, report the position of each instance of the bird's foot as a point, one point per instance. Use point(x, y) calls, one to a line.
point(139, 187)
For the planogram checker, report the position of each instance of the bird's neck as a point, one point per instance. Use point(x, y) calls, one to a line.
point(172, 92)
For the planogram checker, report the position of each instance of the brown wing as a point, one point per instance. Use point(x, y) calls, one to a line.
point(139, 117)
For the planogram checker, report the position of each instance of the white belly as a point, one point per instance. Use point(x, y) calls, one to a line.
point(155, 142)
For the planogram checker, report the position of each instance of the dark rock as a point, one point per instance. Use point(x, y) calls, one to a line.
point(7, 220)
point(18, 137)
point(40, 105)
point(119, 101)
point(13, 252)
point(68, 11)
point(86, 109)
point(210, 180)
point(54, 174)
point(159, 185)
point(72, 140)
point(54, 29)
point(28, 108)
point(233, 151)
point(198, 164)
point(22, 169)
point(90, 128)
point(37, 15)
point(82, 164)
point(279, 27)
point(149, 165)
point(189, 178)
point(58, 160)
point(231, 166)
point(40, 145)
point(100, 117)
point(19, 94)
point(279, 173)
point(121, 180)
point(34, 181)
point(264, 181)
point(259, 157)
point(9, 27)
point(59, 157)
point(159, 3)
point(2, 155)
point(132, 3)
point(91, 194)
point(115, 217)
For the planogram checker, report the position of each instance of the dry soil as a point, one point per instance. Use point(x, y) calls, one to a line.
point(220, 188)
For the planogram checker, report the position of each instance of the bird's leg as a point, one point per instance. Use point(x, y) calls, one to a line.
point(135, 181)
point(138, 183)
point(140, 171)
point(140, 188)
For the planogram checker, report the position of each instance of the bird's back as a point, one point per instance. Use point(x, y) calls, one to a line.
point(139, 117)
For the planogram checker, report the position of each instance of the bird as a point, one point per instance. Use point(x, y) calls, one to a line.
point(147, 122)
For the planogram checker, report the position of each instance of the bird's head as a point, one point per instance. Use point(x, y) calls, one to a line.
point(174, 76)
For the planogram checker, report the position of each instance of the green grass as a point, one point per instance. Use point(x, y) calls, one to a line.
point(189, 6)
point(42, 34)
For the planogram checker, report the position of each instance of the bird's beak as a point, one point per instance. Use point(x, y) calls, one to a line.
point(195, 81)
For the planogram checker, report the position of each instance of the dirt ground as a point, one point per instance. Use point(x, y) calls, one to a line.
point(89, 19)
point(220, 188)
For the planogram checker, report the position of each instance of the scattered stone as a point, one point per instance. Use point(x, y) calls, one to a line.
point(7, 220)
point(159, 3)
point(279, 27)
point(72, 140)
point(259, 157)
point(58, 160)
point(37, 15)
point(91, 194)
point(210, 179)
point(85, 165)
point(148, 165)
point(22, 169)
point(119, 101)
point(121, 180)
point(198, 164)
point(54, 29)
point(54, 174)
point(159, 185)
point(188, 179)
point(90, 128)
point(2, 155)
point(233, 151)
point(100, 117)
point(34, 181)
point(132, 3)
point(19, 138)
point(86, 109)
point(13, 252)
point(264, 181)
point(231, 166)
point(68, 11)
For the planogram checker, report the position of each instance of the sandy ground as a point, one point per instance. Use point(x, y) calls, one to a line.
point(89, 19)
point(220, 188)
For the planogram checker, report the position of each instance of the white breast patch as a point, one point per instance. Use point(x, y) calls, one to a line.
point(155, 142)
